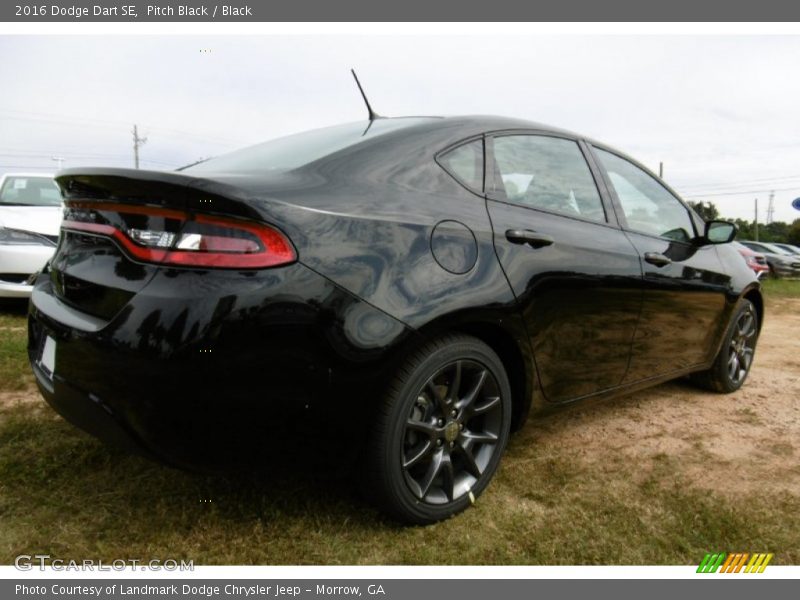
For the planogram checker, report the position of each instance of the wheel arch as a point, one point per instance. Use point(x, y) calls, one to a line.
point(756, 297)
point(505, 337)
point(507, 348)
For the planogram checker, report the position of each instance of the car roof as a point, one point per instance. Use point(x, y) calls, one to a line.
point(464, 126)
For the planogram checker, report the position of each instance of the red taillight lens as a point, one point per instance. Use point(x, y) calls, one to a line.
point(191, 240)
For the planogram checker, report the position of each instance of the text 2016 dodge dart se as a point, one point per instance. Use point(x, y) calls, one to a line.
point(434, 279)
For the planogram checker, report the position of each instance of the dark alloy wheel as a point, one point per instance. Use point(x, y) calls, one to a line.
point(742, 346)
point(443, 429)
point(451, 432)
point(735, 357)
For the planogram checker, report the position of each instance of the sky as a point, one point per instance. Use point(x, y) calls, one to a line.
point(721, 112)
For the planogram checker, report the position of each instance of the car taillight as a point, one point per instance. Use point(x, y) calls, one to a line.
point(192, 240)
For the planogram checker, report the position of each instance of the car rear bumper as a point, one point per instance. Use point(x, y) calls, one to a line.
point(88, 412)
point(196, 372)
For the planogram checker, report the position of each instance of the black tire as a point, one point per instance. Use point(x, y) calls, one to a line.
point(732, 364)
point(432, 451)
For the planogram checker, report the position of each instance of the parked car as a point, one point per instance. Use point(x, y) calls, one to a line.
point(788, 247)
point(30, 217)
point(375, 272)
point(782, 263)
point(755, 261)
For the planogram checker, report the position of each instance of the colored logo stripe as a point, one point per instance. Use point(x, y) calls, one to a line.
point(711, 563)
point(735, 562)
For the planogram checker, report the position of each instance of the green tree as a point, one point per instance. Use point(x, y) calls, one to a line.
point(793, 235)
point(777, 231)
point(707, 210)
point(745, 229)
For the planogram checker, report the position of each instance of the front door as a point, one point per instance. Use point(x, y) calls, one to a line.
point(575, 274)
point(684, 283)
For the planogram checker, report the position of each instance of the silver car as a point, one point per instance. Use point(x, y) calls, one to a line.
point(30, 219)
point(782, 263)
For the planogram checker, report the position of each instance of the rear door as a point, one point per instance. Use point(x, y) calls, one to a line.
point(684, 284)
point(575, 274)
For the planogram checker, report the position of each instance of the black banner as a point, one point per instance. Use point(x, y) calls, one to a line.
point(408, 10)
point(396, 589)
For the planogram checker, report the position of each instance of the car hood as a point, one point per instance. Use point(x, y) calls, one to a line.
point(38, 219)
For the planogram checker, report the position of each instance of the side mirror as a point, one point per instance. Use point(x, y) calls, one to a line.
point(719, 232)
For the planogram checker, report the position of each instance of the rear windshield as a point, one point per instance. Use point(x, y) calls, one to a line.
point(21, 190)
point(300, 149)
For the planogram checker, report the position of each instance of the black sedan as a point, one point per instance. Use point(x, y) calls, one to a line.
point(428, 282)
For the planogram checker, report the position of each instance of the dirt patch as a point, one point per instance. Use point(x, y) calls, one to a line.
point(11, 399)
point(748, 441)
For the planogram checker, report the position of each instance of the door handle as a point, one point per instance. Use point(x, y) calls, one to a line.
point(532, 238)
point(657, 259)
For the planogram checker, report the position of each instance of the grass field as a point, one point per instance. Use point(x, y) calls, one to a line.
point(782, 288)
point(63, 493)
point(14, 370)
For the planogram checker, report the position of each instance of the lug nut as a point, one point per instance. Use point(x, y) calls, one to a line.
point(452, 444)
point(441, 422)
point(453, 413)
point(461, 426)
point(438, 442)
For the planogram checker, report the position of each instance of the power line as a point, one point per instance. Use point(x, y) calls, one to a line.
point(73, 120)
point(48, 167)
point(730, 184)
point(738, 193)
point(72, 155)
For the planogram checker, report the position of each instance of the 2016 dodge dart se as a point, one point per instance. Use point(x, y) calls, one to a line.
point(424, 283)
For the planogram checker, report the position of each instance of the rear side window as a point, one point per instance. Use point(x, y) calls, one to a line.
point(465, 163)
point(546, 173)
point(648, 206)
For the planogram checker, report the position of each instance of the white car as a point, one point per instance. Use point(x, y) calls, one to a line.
point(30, 219)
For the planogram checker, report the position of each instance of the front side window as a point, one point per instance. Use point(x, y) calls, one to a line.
point(465, 163)
point(546, 173)
point(648, 206)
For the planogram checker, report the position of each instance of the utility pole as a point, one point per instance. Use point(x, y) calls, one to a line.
point(755, 223)
point(59, 159)
point(661, 170)
point(137, 142)
point(771, 207)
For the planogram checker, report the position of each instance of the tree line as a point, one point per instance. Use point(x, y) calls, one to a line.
point(777, 231)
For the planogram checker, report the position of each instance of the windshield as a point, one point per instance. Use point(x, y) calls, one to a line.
point(26, 190)
point(300, 149)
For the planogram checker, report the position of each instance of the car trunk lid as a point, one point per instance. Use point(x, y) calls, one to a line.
point(122, 225)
